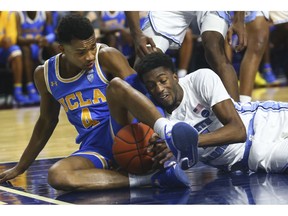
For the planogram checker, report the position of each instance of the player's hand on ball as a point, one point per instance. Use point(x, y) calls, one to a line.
point(160, 150)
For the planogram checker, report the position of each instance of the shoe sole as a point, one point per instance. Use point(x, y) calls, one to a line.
point(185, 140)
point(167, 178)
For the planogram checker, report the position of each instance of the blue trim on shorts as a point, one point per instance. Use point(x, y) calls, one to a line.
point(248, 144)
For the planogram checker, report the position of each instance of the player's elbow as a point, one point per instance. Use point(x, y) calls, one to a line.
point(241, 133)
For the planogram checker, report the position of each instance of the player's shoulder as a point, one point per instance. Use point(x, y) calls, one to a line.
point(39, 71)
point(200, 78)
point(39, 76)
point(105, 49)
point(202, 73)
point(108, 53)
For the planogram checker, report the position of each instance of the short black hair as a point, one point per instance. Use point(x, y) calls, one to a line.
point(152, 61)
point(74, 26)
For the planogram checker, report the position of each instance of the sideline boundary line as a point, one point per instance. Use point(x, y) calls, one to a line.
point(45, 199)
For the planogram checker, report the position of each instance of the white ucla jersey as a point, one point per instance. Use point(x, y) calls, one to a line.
point(266, 147)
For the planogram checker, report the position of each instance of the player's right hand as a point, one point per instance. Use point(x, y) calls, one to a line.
point(144, 45)
point(9, 174)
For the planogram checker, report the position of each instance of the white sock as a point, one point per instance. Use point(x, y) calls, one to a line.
point(245, 98)
point(139, 180)
point(159, 126)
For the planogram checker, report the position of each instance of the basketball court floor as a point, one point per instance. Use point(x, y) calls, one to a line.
point(209, 186)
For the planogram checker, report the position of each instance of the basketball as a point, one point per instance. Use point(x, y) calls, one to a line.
point(130, 148)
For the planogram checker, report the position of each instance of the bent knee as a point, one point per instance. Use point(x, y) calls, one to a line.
point(117, 85)
point(114, 84)
point(59, 179)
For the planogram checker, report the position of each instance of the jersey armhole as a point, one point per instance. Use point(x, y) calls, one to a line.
point(98, 67)
point(46, 76)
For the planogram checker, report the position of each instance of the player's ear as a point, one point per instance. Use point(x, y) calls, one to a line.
point(175, 76)
point(61, 48)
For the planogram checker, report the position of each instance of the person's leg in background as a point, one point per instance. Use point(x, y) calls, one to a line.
point(185, 54)
point(258, 34)
point(213, 42)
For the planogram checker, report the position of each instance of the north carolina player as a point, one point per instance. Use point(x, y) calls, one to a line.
point(251, 137)
point(166, 29)
point(77, 79)
point(257, 26)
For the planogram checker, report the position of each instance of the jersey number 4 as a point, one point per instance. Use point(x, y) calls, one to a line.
point(86, 118)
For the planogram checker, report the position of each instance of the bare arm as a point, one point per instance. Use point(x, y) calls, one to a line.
point(233, 130)
point(143, 44)
point(45, 125)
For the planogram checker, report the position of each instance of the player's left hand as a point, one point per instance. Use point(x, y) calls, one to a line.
point(238, 27)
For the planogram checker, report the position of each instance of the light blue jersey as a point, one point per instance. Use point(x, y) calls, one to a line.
point(31, 28)
point(83, 98)
point(115, 20)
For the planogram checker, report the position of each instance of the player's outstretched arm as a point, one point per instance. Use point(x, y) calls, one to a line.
point(143, 44)
point(45, 125)
point(233, 130)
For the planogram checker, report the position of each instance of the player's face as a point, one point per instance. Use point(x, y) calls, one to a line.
point(163, 85)
point(81, 53)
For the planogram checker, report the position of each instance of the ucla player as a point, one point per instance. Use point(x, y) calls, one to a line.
point(35, 31)
point(251, 137)
point(114, 30)
point(78, 80)
point(166, 29)
point(10, 53)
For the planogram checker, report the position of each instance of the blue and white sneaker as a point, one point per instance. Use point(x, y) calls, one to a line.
point(182, 140)
point(170, 176)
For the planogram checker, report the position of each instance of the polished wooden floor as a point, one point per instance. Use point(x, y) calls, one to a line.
point(208, 185)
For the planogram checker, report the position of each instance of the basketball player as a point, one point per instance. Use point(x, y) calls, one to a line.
point(257, 26)
point(35, 32)
point(252, 136)
point(77, 79)
point(166, 29)
point(115, 33)
point(10, 53)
